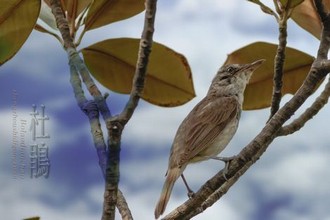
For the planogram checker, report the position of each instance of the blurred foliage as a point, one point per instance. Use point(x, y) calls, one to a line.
point(32, 218)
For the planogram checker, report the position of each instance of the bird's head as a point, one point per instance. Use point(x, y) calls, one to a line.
point(232, 78)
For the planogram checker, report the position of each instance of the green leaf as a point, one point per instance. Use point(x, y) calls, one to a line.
point(258, 93)
point(103, 12)
point(17, 19)
point(168, 81)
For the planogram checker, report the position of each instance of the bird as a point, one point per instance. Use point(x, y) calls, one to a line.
point(210, 125)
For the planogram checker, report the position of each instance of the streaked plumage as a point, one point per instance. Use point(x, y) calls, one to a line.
point(209, 127)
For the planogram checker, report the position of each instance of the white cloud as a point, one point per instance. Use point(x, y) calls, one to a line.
point(155, 126)
point(22, 200)
point(59, 134)
point(297, 173)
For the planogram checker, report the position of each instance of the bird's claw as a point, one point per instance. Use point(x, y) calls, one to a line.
point(227, 161)
point(191, 194)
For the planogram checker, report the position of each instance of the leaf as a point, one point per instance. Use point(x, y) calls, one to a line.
point(17, 19)
point(168, 81)
point(263, 7)
point(103, 12)
point(32, 218)
point(47, 16)
point(305, 16)
point(258, 93)
point(74, 7)
point(292, 3)
point(44, 30)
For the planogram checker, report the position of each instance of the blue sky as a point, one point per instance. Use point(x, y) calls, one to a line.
point(291, 180)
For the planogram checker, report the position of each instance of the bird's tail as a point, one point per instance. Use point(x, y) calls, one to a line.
point(172, 175)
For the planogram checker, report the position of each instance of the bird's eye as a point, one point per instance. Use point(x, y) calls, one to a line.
point(230, 69)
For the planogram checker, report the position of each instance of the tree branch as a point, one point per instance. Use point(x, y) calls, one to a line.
point(90, 108)
point(325, 41)
point(77, 66)
point(323, 65)
point(92, 112)
point(142, 62)
point(321, 10)
point(252, 152)
point(123, 207)
point(279, 64)
point(217, 186)
point(116, 124)
point(310, 112)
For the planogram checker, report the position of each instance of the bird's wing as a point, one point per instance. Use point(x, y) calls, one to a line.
point(204, 123)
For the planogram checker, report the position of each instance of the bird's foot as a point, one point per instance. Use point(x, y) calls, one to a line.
point(190, 193)
point(227, 161)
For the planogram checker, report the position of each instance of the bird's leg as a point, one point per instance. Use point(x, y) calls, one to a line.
point(190, 193)
point(227, 161)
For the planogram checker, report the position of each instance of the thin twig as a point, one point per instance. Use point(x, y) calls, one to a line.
point(265, 9)
point(90, 84)
point(62, 23)
point(122, 206)
point(279, 64)
point(142, 62)
point(91, 108)
point(76, 64)
point(252, 152)
point(310, 112)
point(117, 124)
point(325, 41)
point(277, 8)
point(76, 60)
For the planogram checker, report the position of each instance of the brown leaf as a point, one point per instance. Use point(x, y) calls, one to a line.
point(292, 3)
point(74, 7)
point(47, 16)
point(168, 80)
point(103, 12)
point(17, 19)
point(32, 218)
point(305, 16)
point(258, 93)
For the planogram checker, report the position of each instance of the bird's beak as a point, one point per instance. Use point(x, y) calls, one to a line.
point(253, 66)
